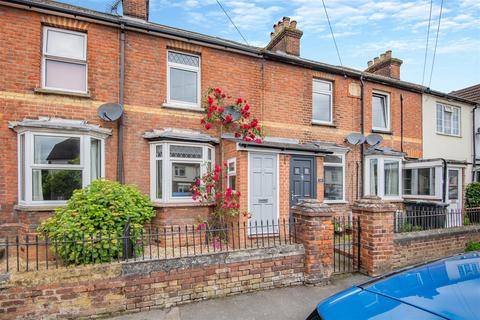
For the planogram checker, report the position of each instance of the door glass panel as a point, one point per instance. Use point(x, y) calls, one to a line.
point(453, 184)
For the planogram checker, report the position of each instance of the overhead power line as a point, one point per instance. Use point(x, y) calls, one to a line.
point(333, 35)
point(426, 45)
point(436, 42)
point(233, 23)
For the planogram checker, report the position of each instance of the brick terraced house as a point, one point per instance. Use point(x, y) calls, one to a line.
point(60, 63)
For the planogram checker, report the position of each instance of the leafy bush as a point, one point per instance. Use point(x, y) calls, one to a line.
point(408, 227)
point(472, 195)
point(100, 211)
point(473, 246)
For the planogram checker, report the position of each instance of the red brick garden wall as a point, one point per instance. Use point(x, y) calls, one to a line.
point(90, 291)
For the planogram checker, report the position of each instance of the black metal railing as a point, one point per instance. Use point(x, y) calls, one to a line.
point(419, 219)
point(39, 252)
point(346, 244)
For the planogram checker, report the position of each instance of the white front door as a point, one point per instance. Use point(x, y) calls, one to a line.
point(454, 192)
point(263, 192)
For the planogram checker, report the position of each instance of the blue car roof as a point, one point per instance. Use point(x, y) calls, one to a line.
point(444, 289)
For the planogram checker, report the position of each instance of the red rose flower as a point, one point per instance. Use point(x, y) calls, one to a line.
point(237, 135)
point(228, 118)
point(258, 140)
point(247, 107)
point(239, 100)
point(208, 126)
point(210, 100)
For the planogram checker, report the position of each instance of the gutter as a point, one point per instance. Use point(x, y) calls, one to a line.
point(444, 180)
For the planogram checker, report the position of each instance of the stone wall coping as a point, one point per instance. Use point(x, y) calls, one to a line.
point(205, 260)
point(312, 208)
point(373, 204)
point(401, 238)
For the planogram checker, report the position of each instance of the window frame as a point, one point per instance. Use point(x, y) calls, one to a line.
point(182, 104)
point(386, 95)
point(438, 185)
point(327, 92)
point(343, 166)
point(47, 56)
point(231, 173)
point(381, 176)
point(167, 168)
point(27, 164)
point(442, 132)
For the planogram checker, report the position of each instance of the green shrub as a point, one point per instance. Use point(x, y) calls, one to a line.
point(408, 227)
point(473, 246)
point(99, 211)
point(472, 195)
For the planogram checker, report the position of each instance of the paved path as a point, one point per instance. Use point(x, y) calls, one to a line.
point(278, 304)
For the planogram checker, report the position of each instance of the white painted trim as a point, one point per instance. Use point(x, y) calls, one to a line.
point(48, 56)
point(182, 104)
point(389, 111)
point(381, 176)
point(326, 92)
point(443, 105)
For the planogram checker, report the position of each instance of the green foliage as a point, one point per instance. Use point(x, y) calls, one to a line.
point(472, 195)
point(472, 246)
point(408, 227)
point(96, 213)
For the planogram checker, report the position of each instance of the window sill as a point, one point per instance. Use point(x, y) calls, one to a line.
point(382, 131)
point(62, 93)
point(449, 135)
point(335, 202)
point(323, 124)
point(36, 207)
point(180, 204)
point(181, 107)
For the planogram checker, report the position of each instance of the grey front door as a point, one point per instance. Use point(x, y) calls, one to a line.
point(263, 191)
point(302, 179)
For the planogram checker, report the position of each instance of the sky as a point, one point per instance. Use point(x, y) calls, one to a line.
point(363, 29)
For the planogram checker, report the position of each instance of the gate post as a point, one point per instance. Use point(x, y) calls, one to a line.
point(376, 234)
point(314, 230)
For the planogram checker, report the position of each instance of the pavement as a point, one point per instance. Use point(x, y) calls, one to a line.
point(283, 303)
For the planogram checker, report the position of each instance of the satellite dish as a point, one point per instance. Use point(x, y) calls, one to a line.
point(355, 138)
point(374, 139)
point(110, 111)
point(234, 113)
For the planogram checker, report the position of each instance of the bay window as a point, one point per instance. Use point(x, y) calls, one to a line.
point(64, 60)
point(383, 177)
point(448, 119)
point(334, 178)
point(54, 164)
point(175, 167)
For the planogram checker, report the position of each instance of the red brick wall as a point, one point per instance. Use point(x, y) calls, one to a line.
point(275, 91)
point(90, 291)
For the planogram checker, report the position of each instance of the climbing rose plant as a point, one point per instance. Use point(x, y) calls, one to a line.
point(207, 190)
point(245, 127)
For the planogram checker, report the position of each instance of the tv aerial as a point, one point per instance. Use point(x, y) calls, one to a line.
point(355, 138)
point(110, 112)
point(374, 139)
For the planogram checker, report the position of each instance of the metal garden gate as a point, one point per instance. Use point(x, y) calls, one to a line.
point(346, 244)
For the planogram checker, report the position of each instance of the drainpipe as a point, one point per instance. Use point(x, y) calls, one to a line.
point(474, 133)
point(444, 180)
point(120, 176)
point(401, 122)
point(362, 161)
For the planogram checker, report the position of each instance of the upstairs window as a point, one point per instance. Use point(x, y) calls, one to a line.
point(322, 101)
point(448, 119)
point(64, 60)
point(380, 112)
point(183, 78)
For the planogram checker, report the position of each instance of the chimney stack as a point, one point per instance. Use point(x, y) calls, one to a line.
point(385, 65)
point(285, 37)
point(137, 9)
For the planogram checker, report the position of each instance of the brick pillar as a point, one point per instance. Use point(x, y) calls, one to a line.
point(314, 230)
point(376, 234)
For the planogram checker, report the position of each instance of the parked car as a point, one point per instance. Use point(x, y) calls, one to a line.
point(443, 289)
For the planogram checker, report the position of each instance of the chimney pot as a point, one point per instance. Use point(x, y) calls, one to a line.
point(388, 54)
point(293, 24)
point(376, 59)
point(286, 21)
point(370, 63)
point(385, 65)
point(383, 56)
point(285, 37)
